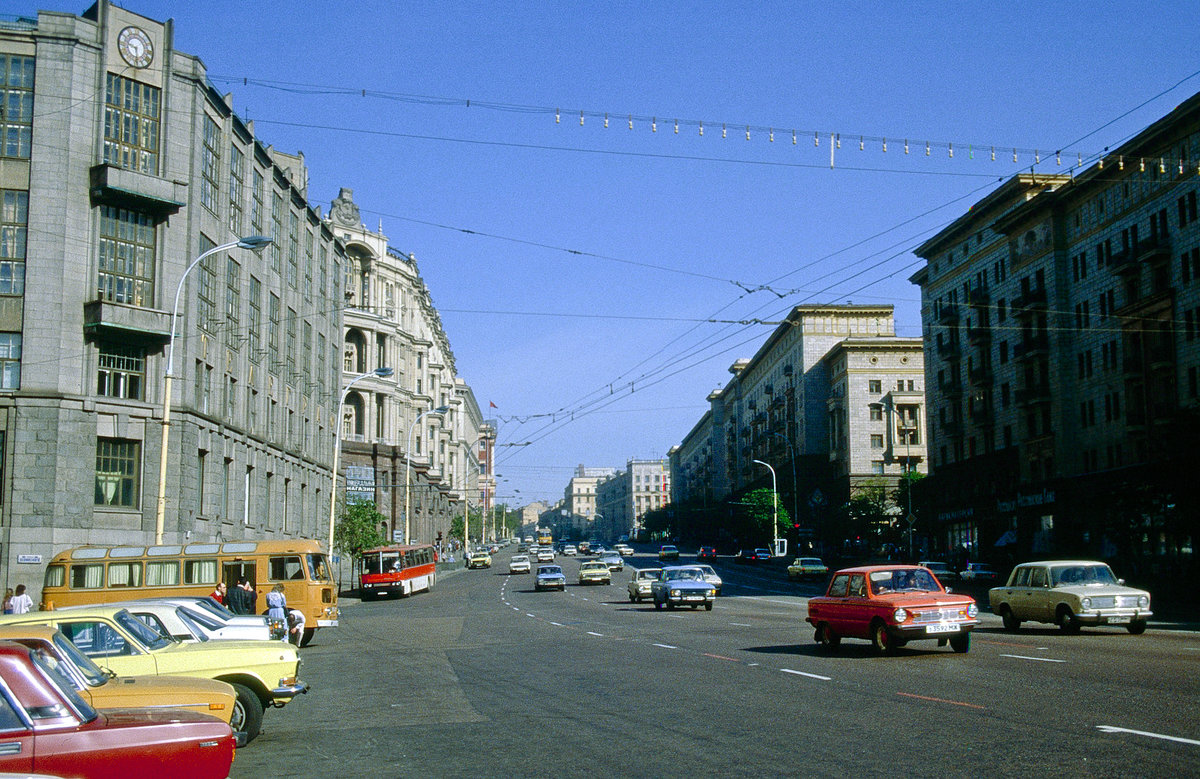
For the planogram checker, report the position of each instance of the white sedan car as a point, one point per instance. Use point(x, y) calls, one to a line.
point(519, 564)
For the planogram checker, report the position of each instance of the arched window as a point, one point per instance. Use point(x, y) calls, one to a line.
point(355, 418)
point(356, 352)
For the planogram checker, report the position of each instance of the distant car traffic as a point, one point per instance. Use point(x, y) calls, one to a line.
point(978, 572)
point(759, 555)
point(569, 550)
point(545, 554)
point(890, 605)
point(943, 571)
point(707, 553)
point(624, 549)
point(479, 559)
point(807, 568)
point(639, 583)
point(519, 564)
point(594, 572)
point(668, 552)
point(613, 560)
point(1070, 594)
point(682, 585)
point(550, 577)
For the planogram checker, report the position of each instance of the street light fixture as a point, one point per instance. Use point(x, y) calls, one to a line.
point(408, 464)
point(775, 503)
point(252, 242)
point(795, 484)
point(337, 441)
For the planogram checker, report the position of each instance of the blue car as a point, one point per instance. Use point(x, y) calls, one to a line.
point(550, 577)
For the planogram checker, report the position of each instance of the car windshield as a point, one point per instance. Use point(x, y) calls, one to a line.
point(92, 673)
point(549, 570)
point(707, 569)
point(151, 638)
point(216, 609)
point(685, 574)
point(48, 666)
point(520, 559)
point(906, 580)
point(1076, 575)
point(199, 627)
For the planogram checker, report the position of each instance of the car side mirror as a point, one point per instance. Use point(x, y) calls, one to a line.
point(949, 589)
point(1121, 582)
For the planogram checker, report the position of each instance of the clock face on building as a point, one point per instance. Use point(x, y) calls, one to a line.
point(136, 47)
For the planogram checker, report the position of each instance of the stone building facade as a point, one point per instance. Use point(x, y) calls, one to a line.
point(1062, 324)
point(120, 165)
point(391, 322)
point(623, 499)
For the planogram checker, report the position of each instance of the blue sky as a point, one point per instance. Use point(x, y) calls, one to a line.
point(578, 268)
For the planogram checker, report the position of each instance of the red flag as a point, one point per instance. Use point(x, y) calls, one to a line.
point(493, 405)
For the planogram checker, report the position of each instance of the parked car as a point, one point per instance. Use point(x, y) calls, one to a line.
point(519, 564)
point(187, 625)
point(264, 627)
point(807, 568)
point(707, 553)
point(639, 583)
point(890, 605)
point(943, 571)
point(50, 729)
point(978, 572)
point(103, 690)
point(682, 585)
point(711, 576)
point(550, 577)
point(668, 552)
point(1070, 594)
point(625, 550)
point(613, 560)
point(479, 559)
point(594, 572)
point(263, 673)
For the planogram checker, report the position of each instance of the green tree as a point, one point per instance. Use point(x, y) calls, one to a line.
point(871, 514)
point(361, 527)
point(761, 506)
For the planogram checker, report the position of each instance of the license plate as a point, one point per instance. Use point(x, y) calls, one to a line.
point(943, 628)
point(694, 597)
point(1119, 620)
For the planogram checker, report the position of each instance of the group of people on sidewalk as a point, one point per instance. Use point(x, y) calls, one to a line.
point(243, 599)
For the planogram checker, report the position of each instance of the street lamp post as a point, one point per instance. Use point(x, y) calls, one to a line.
point(408, 465)
point(337, 441)
point(253, 242)
point(775, 504)
point(795, 484)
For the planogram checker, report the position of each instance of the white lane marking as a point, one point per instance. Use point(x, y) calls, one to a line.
point(1115, 729)
point(528, 614)
point(1038, 659)
point(740, 624)
point(751, 665)
point(557, 624)
point(802, 673)
point(590, 633)
point(666, 646)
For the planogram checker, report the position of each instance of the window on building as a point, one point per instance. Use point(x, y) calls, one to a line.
point(273, 333)
point(16, 95)
point(14, 225)
point(257, 185)
point(255, 329)
point(131, 116)
point(876, 412)
point(876, 441)
point(875, 386)
point(293, 258)
point(121, 371)
point(237, 188)
point(118, 465)
point(127, 241)
point(10, 361)
point(233, 299)
point(277, 210)
point(210, 162)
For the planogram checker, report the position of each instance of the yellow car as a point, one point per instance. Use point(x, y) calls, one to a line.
point(105, 691)
point(262, 673)
point(479, 559)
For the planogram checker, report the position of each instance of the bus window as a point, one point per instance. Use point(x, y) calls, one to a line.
point(88, 576)
point(55, 576)
point(285, 568)
point(125, 574)
point(200, 571)
point(319, 568)
point(162, 572)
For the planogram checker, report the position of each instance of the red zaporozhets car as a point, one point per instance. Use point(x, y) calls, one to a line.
point(890, 605)
point(47, 728)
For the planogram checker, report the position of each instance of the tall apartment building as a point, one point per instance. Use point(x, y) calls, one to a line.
point(1061, 317)
point(391, 322)
point(579, 498)
point(120, 163)
point(624, 498)
point(814, 402)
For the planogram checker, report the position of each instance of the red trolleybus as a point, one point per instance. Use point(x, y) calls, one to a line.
point(396, 569)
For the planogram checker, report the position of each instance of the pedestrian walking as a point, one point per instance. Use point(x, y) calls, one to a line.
point(21, 602)
point(241, 599)
point(277, 603)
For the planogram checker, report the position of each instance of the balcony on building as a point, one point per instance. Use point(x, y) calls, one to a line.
point(1031, 347)
point(953, 428)
point(983, 416)
point(1033, 394)
point(979, 298)
point(979, 335)
point(949, 351)
point(947, 314)
point(979, 375)
point(1029, 301)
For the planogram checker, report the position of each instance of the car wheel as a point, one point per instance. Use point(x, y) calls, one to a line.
point(880, 640)
point(1011, 623)
point(1066, 620)
point(670, 606)
point(961, 643)
point(247, 712)
point(1136, 627)
point(708, 607)
point(658, 605)
point(826, 637)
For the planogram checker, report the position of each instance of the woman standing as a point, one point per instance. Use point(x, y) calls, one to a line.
point(277, 604)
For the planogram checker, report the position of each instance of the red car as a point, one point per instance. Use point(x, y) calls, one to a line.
point(46, 727)
point(890, 605)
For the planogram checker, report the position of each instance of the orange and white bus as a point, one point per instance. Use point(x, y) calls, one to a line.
point(106, 574)
point(396, 569)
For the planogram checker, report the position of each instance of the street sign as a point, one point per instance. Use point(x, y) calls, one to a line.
point(912, 518)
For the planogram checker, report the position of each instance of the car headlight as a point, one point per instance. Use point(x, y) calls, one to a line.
point(1086, 604)
point(1143, 601)
point(674, 593)
point(972, 611)
point(899, 615)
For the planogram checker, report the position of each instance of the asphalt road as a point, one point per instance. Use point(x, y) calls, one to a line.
point(485, 677)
